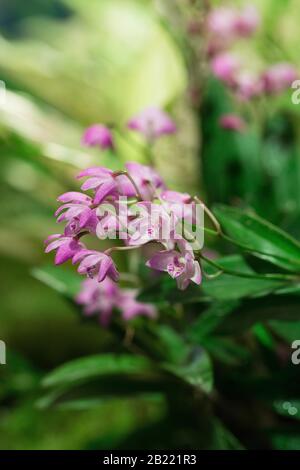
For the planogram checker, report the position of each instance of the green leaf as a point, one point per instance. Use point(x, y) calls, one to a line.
point(60, 279)
point(208, 321)
point(250, 311)
point(258, 235)
point(228, 287)
point(197, 373)
point(94, 366)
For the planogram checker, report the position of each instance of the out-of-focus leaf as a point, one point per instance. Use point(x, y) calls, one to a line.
point(226, 350)
point(90, 367)
point(197, 372)
point(224, 439)
point(209, 320)
point(60, 279)
point(258, 235)
point(174, 345)
point(251, 311)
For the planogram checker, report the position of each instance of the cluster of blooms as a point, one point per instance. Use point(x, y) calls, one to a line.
point(103, 298)
point(83, 214)
point(226, 25)
point(152, 123)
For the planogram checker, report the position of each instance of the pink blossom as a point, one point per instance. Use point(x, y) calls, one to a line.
point(146, 179)
point(232, 122)
point(98, 134)
point(130, 307)
point(66, 247)
point(180, 265)
point(278, 77)
point(105, 183)
point(77, 212)
point(176, 197)
point(220, 22)
point(180, 205)
point(229, 23)
point(151, 223)
point(98, 298)
point(152, 123)
point(225, 67)
point(95, 264)
point(247, 21)
point(103, 298)
point(247, 86)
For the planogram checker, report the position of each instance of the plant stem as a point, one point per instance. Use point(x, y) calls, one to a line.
point(273, 277)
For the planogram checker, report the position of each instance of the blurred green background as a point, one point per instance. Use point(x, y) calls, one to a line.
point(67, 64)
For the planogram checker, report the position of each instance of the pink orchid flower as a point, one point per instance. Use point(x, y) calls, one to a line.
point(77, 212)
point(278, 78)
point(66, 247)
point(130, 307)
point(146, 179)
point(105, 183)
point(151, 223)
point(98, 298)
point(247, 21)
point(229, 23)
point(180, 265)
point(152, 123)
point(98, 135)
point(232, 122)
point(181, 205)
point(96, 265)
point(225, 67)
point(103, 298)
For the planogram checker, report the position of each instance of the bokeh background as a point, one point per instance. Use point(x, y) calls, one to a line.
point(67, 64)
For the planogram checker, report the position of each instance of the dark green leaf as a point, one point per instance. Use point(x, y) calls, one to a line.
point(258, 235)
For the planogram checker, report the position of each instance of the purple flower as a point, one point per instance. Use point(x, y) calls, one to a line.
point(95, 264)
point(105, 183)
point(66, 247)
point(228, 23)
point(181, 205)
point(103, 298)
point(98, 134)
point(180, 265)
point(247, 21)
point(130, 307)
point(247, 86)
point(232, 122)
point(77, 212)
point(225, 67)
point(152, 123)
point(220, 22)
point(98, 298)
point(278, 78)
point(146, 179)
point(151, 222)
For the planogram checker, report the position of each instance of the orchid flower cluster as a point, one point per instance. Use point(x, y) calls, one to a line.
point(225, 26)
point(95, 211)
